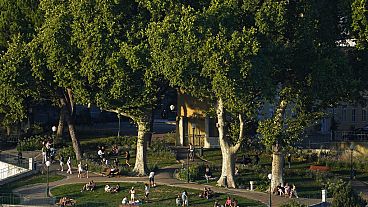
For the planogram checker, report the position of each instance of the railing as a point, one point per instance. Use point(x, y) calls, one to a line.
point(349, 136)
point(196, 140)
point(11, 171)
point(9, 198)
point(14, 160)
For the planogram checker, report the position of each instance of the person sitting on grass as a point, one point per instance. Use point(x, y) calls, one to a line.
point(228, 202)
point(235, 203)
point(178, 201)
point(210, 193)
point(107, 188)
point(207, 173)
point(115, 189)
point(204, 194)
point(124, 201)
point(89, 186)
point(217, 204)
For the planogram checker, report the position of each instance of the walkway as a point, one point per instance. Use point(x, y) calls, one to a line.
point(36, 194)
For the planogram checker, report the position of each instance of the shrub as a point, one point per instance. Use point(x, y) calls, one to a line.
point(67, 152)
point(196, 172)
point(345, 196)
point(31, 143)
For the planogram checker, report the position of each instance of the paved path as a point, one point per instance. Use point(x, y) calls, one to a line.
point(36, 194)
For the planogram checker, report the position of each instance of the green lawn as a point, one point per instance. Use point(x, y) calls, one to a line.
point(159, 196)
point(7, 195)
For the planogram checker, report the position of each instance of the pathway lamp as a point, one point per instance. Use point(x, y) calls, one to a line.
point(270, 198)
point(53, 128)
point(48, 163)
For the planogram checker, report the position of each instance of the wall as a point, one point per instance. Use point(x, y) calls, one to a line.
point(8, 170)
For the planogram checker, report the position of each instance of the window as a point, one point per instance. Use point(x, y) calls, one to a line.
point(344, 113)
point(353, 115)
point(364, 115)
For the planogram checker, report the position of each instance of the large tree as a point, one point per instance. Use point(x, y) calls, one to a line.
point(54, 60)
point(18, 23)
point(311, 72)
point(115, 64)
point(210, 50)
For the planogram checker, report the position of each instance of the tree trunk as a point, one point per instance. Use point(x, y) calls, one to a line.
point(141, 156)
point(228, 151)
point(277, 169)
point(228, 168)
point(73, 136)
point(60, 129)
point(66, 101)
point(277, 155)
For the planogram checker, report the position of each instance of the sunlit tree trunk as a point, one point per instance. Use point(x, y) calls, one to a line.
point(144, 132)
point(227, 149)
point(277, 154)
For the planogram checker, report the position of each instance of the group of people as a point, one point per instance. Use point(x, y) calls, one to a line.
point(182, 200)
point(48, 152)
point(65, 201)
point(68, 163)
point(90, 186)
point(228, 203)
point(206, 193)
point(286, 190)
point(112, 189)
point(133, 200)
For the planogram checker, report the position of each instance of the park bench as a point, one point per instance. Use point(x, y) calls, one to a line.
point(319, 168)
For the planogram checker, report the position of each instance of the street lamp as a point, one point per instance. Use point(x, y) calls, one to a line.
point(270, 199)
point(48, 163)
point(53, 128)
point(352, 146)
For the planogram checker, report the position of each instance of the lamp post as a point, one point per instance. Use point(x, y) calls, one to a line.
point(53, 128)
point(48, 163)
point(352, 146)
point(270, 199)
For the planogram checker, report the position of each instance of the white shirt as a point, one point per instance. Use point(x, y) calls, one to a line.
point(124, 201)
point(146, 189)
point(152, 174)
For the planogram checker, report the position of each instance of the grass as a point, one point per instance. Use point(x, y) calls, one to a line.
point(6, 191)
point(159, 196)
point(298, 174)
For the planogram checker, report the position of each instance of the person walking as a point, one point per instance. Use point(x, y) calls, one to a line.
point(61, 163)
point(152, 179)
point(127, 158)
point(86, 169)
point(80, 170)
point(69, 164)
